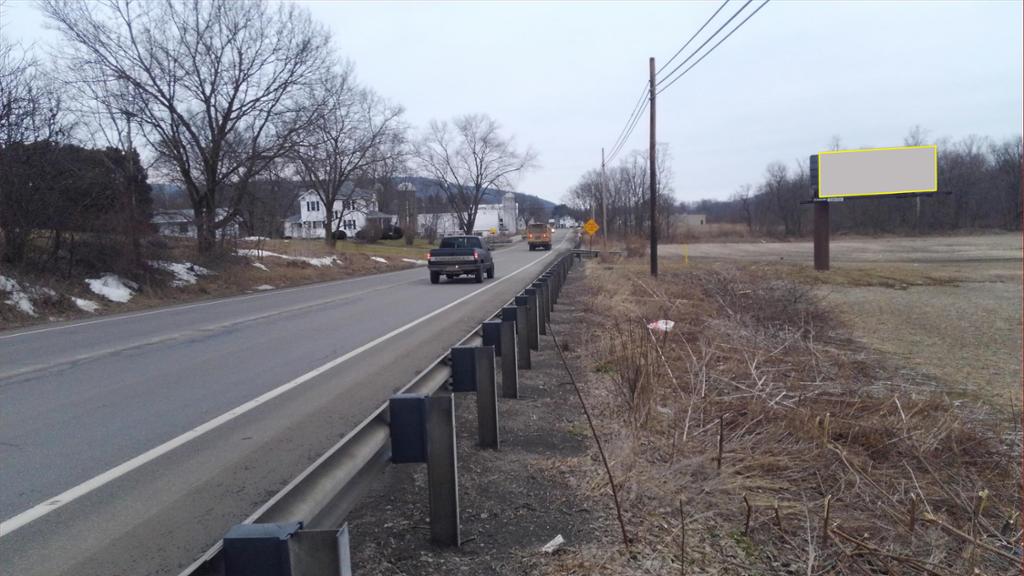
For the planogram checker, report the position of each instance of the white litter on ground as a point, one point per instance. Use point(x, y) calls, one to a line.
point(264, 287)
point(555, 544)
point(185, 273)
point(113, 287)
point(255, 238)
point(16, 296)
point(378, 259)
point(661, 325)
point(318, 262)
point(416, 262)
point(261, 266)
point(86, 305)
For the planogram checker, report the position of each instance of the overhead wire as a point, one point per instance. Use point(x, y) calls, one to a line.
point(637, 110)
point(644, 101)
point(695, 34)
point(629, 132)
point(705, 43)
point(712, 49)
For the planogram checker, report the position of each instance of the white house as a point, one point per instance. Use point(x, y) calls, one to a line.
point(350, 213)
point(502, 218)
point(566, 222)
point(182, 223)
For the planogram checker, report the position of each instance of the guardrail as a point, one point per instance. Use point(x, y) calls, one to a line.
point(304, 523)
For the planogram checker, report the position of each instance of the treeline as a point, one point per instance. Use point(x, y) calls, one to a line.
point(979, 187)
point(236, 102)
point(622, 195)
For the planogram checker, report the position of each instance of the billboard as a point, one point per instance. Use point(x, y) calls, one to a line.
point(878, 171)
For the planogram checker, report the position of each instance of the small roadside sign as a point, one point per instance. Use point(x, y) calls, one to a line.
point(591, 227)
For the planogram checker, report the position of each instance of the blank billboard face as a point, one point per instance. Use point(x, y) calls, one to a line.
point(878, 171)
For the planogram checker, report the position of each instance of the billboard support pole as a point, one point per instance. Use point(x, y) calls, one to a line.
point(821, 235)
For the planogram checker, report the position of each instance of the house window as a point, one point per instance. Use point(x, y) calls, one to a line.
point(312, 205)
point(347, 204)
point(182, 228)
point(349, 225)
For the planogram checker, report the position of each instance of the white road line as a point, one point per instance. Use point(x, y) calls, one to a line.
point(38, 511)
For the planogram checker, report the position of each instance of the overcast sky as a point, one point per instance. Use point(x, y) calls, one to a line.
point(563, 77)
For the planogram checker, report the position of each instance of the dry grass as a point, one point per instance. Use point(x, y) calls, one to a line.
point(833, 459)
point(711, 232)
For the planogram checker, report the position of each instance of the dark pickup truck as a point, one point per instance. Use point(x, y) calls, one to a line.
point(460, 256)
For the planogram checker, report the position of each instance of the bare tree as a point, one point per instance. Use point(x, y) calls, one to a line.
point(216, 86)
point(354, 129)
point(531, 210)
point(1006, 162)
point(468, 157)
point(32, 110)
point(742, 197)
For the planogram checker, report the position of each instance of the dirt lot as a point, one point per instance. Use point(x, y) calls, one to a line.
point(949, 305)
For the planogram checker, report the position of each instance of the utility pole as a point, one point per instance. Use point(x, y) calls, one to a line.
point(654, 181)
point(604, 206)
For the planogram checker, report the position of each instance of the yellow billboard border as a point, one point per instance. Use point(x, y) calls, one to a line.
point(934, 148)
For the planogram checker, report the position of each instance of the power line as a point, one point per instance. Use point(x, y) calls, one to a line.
point(695, 34)
point(710, 38)
point(629, 133)
point(643, 101)
point(712, 49)
point(636, 111)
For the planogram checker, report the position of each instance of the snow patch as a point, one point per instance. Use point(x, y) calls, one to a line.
point(378, 259)
point(318, 262)
point(17, 296)
point(185, 273)
point(113, 287)
point(261, 266)
point(255, 238)
point(86, 305)
point(416, 262)
point(264, 287)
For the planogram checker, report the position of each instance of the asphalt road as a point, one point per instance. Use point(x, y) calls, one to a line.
point(129, 444)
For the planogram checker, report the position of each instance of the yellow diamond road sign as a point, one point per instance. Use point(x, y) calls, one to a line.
point(591, 227)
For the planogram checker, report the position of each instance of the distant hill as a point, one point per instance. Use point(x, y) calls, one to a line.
point(427, 187)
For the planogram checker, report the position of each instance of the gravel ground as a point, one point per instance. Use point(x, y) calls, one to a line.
point(513, 501)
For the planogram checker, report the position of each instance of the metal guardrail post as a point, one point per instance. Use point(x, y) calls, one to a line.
point(518, 315)
point(492, 335)
point(542, 307)
point(284, 549)
point(546, 283)
point(509, 359)
point(552, 279)
point(524, 329)
point(487, 399)
point(532, 310)
point(442, 474)
point(258, 549)
point(473, 371)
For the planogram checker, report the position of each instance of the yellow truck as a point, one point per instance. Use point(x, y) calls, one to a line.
point(538, 236)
